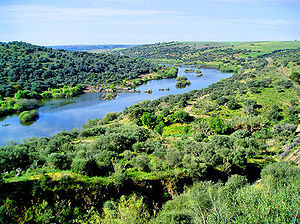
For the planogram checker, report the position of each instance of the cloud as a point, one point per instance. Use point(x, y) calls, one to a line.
point(129, 1)
point(38, 13)
point(249, 1)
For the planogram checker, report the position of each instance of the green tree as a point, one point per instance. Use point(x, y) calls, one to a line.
point(217, 125)
point(148, 120)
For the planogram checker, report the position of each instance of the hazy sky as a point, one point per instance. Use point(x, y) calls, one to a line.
point(58, 22)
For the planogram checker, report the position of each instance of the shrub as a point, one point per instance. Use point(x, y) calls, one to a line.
point(58, 161)
point(180, 78)
point(284, 84)
point(295, 76)
point(199, 137)
point(281, 173)
point(274, 113)
point(26, 116)
point(221, 101)
point(85, 164)
point(217, 125)
point(109, 117)
point(284, 129)
point(181, 116)
point(233, 105)
point(148, 120)
point(131, 210)
point(25, 104)
point(240, 134)
point(141, 162)
point(160, 127)
point(46, 95)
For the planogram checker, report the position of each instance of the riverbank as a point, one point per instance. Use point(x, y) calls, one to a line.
point(66, 114)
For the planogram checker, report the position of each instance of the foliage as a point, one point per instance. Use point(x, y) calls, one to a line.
point(190, 158)
point(131, 210)
point(217, 125)
point(26, 116)
point(237, 202)
point(39, 68)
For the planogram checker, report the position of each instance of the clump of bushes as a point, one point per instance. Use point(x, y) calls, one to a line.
point(189, 70)
point(27, 116)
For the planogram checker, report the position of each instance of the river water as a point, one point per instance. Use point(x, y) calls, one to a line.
point(67, 114)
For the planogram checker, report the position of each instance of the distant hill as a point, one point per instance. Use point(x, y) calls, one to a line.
point(199, 52)
point(91, 47)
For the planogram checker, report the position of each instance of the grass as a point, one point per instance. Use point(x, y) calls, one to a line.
point(265, 46)
point(278, 98)
point(174, 129)
point(57, 175)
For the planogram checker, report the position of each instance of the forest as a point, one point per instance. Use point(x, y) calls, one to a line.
point(35, 68)
point(227, 153)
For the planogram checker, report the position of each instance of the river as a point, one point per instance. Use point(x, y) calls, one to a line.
point(66, 114)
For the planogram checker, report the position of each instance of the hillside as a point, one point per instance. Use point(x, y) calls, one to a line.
point(206, 52)
point(35, 68)
point(29, 73)
point(209, 156)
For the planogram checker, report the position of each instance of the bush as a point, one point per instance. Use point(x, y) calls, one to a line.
point(284, 84)
point(58, 161)
point(85, 164)
point(181, 116)
point(233, 105)
point(284, 129)
point(221, 101)
point(160, 128)
point(25, 104)
point(240, 134)
point(199, 137)
point(180, 78)
point(27, 116)
point(182, 83)
point(141, 162)
point(131, 210)
point(176, 211)
point(281, 173)
point(46, 95)
point(13, 157)
point(98, 130)
point(295, 76)
point(274, 113)
point(148, 120)
point(217, 125)
point(109, 117)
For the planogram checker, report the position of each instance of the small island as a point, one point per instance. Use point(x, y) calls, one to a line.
point(189, 70)
point(182, 82)
point(199, 73)
point(27, 116)
point(108, 96)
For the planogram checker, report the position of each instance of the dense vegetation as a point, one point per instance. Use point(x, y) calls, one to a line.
point(189, 158)
point(35, 68)
point(29, 73)
point(27, 116)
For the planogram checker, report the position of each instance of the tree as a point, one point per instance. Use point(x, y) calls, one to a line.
point(131, 210)
point(274, 113)
point(217, 125)
point(160, 127)
point(148, 120)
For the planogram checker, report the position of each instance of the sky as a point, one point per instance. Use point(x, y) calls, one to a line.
point(74, 22)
